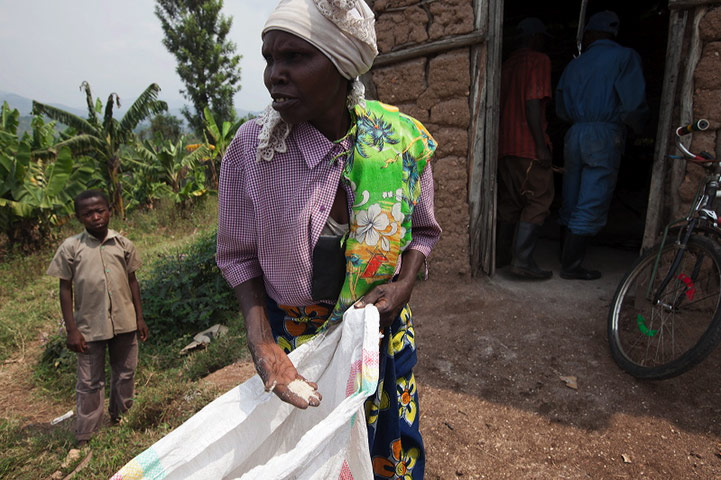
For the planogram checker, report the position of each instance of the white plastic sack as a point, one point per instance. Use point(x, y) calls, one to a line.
point(250, 434)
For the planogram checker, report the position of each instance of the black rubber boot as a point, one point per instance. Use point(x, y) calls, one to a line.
point(504, 241)
point(574, 251)
point(523, 264)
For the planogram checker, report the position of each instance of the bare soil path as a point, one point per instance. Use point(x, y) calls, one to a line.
point(19, 396)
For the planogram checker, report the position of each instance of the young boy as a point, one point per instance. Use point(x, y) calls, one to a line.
point(99, 265)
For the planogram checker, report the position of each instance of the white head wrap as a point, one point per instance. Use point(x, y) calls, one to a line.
point(343, 30)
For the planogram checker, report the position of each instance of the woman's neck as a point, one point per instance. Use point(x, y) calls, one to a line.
point(334, 128)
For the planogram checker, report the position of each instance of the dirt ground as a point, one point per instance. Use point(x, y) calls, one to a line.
point(492, 354)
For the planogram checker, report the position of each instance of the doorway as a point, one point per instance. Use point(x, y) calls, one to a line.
point(644, 27)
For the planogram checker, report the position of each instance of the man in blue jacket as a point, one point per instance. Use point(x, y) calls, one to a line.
point(602, 93)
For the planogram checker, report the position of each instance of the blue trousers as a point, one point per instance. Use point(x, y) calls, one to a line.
point(592, 156)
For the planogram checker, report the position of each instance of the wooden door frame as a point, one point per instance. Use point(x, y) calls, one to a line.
point(485, 93)
point(683, 36)
point(483, 161)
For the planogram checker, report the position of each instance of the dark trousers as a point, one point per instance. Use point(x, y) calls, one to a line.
point(525, 190)
point(90, 386)
point(592, 158)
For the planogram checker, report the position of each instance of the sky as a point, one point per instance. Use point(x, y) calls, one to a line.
point(49, 47)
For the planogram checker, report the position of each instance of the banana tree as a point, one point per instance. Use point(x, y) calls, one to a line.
point(220, 137)
point(36, 194)
point(14, 165)
point(52, 186)
point(103, 137)
point(179, 168)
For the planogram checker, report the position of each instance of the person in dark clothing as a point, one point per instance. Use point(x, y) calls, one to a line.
point(525, 177)
point(602, 93)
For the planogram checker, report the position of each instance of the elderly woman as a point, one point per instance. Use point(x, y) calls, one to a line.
point(326, 201)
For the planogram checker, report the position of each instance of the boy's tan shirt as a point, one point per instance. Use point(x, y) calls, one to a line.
point(99, 272)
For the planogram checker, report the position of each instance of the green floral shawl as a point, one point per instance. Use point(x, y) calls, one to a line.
point(390, 152)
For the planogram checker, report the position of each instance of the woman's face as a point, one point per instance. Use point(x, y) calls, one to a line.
point(304, 84)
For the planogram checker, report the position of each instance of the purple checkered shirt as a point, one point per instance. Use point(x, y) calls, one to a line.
point(270, 214)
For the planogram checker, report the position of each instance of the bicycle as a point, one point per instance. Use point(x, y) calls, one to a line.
point(664, 317)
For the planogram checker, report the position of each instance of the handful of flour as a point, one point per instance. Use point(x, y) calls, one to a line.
point(302, 389)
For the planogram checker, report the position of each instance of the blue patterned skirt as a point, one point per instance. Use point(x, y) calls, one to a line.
point(392, 413)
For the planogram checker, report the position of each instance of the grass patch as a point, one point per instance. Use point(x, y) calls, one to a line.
point(55, 373)
point(223, 351)
point(31, 451)
point(159, 408)
point(34, 306)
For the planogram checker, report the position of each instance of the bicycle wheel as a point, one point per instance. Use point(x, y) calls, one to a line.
point(662, 340)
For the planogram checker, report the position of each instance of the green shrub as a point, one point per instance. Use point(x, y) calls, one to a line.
point(57, 367)
point(184, 292)
point(56, 355)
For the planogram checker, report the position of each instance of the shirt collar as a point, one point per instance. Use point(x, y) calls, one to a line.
point(314, 146)
point(90, 238)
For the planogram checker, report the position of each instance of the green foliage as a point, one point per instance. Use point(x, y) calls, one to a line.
point(104, 138)
point(171, 171)
point(220, 137)
point(56, 355)
point(196, 33)
point(185, 292)
point(9, 119)
point(57, 367)
point(36, 191)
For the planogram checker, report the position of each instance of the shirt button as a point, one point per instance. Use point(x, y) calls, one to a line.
point(322, 208)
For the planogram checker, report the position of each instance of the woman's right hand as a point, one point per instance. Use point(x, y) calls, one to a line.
point(75, 341)
point(271, 362)
point(277, 372)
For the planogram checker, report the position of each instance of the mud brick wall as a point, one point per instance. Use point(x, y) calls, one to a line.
point(706, 101)
point(435, 90)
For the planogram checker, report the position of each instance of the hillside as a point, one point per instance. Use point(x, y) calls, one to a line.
point(24, 106)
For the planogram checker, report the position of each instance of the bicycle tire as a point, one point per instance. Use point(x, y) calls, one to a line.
point(667, 339)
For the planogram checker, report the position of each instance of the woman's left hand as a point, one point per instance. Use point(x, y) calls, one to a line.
point(389, 299)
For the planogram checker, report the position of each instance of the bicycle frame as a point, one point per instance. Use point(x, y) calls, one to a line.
point(700, 214)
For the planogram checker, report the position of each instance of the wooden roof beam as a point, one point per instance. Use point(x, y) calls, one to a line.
point(431, 48)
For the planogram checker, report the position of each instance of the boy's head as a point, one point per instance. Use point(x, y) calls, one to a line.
point(93, 211)
point(86, 194)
